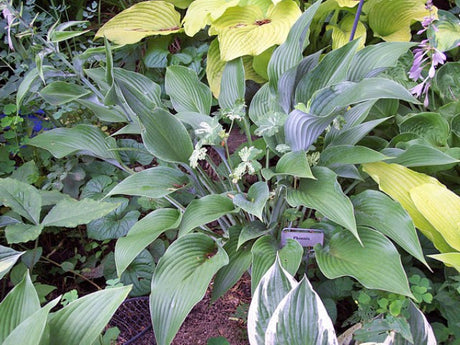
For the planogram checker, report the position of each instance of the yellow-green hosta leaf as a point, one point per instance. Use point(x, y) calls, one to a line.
point(141, 20)
point(341, 32)
point(249, 31)
point(203, 12)
point(182, 4)
point(441, 208)
point(391, 19)
point(347, 3)
point(397, 181)
point(450, 259)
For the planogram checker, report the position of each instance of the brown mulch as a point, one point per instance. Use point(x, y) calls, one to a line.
point(224, 318)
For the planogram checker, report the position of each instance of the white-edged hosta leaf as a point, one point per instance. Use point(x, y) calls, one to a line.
point(255, 199)
point(239, 262)
point(29, 331)
point(272, 288)
point(349, 154)
point(22, 198)
point(82, 139)
point(20, 232)
point(144, 232)
point(180, 281)
point(440, 207)
point(423, 155)
point(247, 30)
point(326, 196)
point(82, 321)
point(264, 254)
point(293, 164)
point(141, 20)
point(376, 263)
point(205, 210)
point(377, 210)
point(8, 258)
point(187, 92)
point(397, 181)
point(165, 136)
point(301, 319)
point(70, 213)
point(61, 92)
point(154, 183)
point(20, 303)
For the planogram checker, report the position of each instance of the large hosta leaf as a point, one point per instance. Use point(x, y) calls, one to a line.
point(165, 136)
point(205, 210)
point(272, 288)
point(20, 232)
point(397, 181)
point(82, 139)
point(423, 155)
point(22, 198)
point(60, 92)
point(300, 319)
point(8, 258)
point(348, 154)
point(255, 200)
point(376, 210)
point(144, 232)
point(249, 31)
point(180, 281)
point(325, 195)
point(152, 183)
point(141, 20)
point(291, 163)
point(450, 259)
point(81, 322)
point(376, 263)
point(232, 84)
point(433, 127)
point(391, 19)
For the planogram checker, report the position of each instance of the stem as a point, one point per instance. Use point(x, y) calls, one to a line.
point(355, 23)
point(175, 203)
point(350, 187)
point(194, 178)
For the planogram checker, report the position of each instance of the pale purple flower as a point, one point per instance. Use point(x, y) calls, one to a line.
point(9, 18)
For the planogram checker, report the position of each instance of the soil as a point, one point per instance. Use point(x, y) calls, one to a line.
point(224, 318)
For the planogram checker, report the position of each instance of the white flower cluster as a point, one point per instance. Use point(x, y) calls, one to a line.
point(248, 163)
point(197, 155)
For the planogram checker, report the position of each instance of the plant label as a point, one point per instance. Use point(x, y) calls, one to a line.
point(306, 237)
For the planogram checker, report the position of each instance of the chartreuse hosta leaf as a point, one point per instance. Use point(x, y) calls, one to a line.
point(254, 201)
point(8, 258)
point(398, 181)
point(141, 20)
point(376, 263)
point(391, 19)
point(326, 196)
point(205, 210)
point(291, 163)
point(342, 31)
point(450, 259)
point(144, 232)
point(239, 262)
point(248, 30)
point(22, 198)
point(180, 281)
point(152, 183)
point(83, 320)
point(272, 288)
point(377, 210)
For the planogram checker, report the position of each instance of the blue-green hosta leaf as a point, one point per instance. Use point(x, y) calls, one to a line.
point(376, 263)
point(153, 183)
point(102, 112)
point(8, 258)
point(22, 198)
point(289, 54)
point(144, 232)
point(232, 86)
point(202, 211)
point(132, 152)
point(254, 201)
point(300, 319)
point(187, 92)
point(264, 254)
point(377, 210)
point(239, 262)
point(180, 281)
point(423, 155)
point(83, 320)
point(61, 92)
point(250, 231)
point(326, 196)
point(431, 126)
point(272, 288)
point(263, 103)
point(165, 136)
point(20, 303)
point(70, 213)
point(82, 139)
point(351, 136)
point(293, 164)
point(20, 232)
point(348, 154)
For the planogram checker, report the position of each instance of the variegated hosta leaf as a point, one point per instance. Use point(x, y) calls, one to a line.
point(342, 31)
point(272, 288)
point(203, 12)
point(391, 19)
point(447, 32)
point(143, 19)
point(301, 319)
point(398, 181)
point(249, 31)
